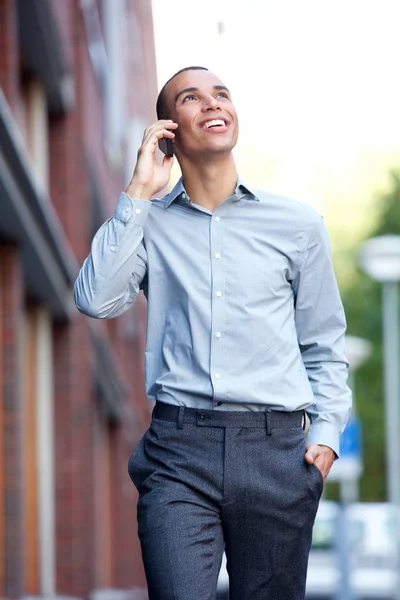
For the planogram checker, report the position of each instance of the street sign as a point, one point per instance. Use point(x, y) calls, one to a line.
point(349, 465)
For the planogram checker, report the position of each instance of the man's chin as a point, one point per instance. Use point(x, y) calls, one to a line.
point(209, 150)
point(203, 153)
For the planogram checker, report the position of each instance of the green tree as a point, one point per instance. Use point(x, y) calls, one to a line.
point(362, 302)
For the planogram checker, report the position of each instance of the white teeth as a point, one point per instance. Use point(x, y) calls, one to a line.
point(213, 123)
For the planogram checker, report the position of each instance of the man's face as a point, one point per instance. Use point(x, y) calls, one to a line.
point(201, 105)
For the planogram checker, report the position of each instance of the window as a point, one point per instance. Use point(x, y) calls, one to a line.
point(33, 120)
point(103, 500)
point(39, 507)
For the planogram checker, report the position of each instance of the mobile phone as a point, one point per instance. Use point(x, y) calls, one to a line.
point(166, 145)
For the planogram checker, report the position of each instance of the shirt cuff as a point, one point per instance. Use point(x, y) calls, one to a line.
point(130, 210)
point(324, 434)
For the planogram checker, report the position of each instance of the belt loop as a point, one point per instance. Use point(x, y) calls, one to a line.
point(268, 423)
point(304, 420)
point(180, 417)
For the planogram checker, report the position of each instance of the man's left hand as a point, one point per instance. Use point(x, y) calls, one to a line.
point(322, 457)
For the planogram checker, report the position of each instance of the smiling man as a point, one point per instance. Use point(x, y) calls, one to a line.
point(245, 335)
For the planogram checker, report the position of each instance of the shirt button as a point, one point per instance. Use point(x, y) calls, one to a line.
point(183, 195)
point(218, 334)
point(138, 211)
point(112, 248)
point(217, 219)
point(217, 255)
point(219, 294)
point(217, 375)
point(128, 209)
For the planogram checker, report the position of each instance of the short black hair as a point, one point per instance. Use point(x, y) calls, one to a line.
point(161, 107)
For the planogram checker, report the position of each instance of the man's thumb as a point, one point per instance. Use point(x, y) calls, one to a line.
point(310, 457)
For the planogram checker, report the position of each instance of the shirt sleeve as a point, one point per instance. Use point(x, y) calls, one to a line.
point(321, 325)
point(115, 270)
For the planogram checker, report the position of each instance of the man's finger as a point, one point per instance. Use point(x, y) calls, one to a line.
point(167, 162)
point(159, 125)
point(152, 138)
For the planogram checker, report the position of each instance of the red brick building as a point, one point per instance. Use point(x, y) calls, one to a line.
point(77, 87)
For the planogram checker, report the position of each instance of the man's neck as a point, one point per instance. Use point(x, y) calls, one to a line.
point(210, 183)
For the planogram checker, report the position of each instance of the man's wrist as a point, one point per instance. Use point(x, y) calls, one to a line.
point(324, 434)
point(136, 190)
point(132, 210)
point(335, 456)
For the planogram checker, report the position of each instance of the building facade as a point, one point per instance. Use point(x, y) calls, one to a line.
point(77, 87)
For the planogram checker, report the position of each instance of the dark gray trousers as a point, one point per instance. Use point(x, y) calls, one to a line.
point(214, 480)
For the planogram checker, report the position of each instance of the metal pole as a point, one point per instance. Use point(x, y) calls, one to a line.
point(392, 388)
point(392, 400)
point(350, 488)
point(345, 589)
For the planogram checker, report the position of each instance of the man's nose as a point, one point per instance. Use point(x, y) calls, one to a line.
point(210, 103)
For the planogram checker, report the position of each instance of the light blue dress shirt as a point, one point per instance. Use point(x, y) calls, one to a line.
point(244, 312)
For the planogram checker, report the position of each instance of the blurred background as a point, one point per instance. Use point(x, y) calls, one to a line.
point(317, 92)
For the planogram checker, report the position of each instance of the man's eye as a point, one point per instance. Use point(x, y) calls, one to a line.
point(223, 94)
point(189, 97)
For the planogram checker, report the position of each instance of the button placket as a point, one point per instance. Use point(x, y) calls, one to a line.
point(217, 309)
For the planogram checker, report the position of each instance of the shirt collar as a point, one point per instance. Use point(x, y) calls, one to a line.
point(242, 192)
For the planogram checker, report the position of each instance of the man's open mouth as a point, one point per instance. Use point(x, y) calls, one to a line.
point(214, 123)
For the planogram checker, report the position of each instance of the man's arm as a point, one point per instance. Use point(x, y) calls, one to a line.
point(111, 276)
point(113, 273)
point(321, 326)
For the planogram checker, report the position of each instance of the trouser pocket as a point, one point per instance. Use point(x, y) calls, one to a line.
point(134, 462)
point(317, 479)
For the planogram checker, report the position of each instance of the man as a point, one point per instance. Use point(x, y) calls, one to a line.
point(245, 333)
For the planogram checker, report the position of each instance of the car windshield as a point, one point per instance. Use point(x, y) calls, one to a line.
point(323, 534)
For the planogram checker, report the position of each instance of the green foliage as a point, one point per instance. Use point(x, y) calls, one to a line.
point(362, 302)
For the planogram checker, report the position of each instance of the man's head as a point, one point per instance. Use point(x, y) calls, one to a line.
point(161, 106)
point(200, 103)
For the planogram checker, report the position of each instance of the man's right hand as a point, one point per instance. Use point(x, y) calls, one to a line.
point(150, 177)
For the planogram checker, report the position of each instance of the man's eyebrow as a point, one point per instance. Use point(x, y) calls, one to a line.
point(195, 89)
point(190, 89)
point(221, 87)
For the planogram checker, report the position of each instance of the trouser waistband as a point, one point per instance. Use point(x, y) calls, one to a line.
point(215, 418)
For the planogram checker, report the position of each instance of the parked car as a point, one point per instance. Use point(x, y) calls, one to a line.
point(375, 563)
point(223, 582)
point(323, 571)
point(373, 541)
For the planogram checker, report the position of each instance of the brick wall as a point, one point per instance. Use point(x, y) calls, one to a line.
point(9, 51)
point(73, 459)
point(73, 138)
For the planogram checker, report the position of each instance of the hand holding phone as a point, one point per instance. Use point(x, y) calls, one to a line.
point(149, 177)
